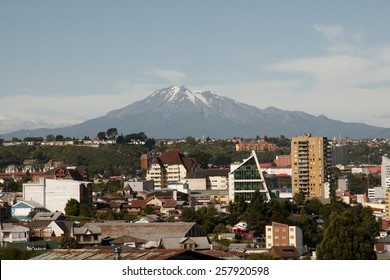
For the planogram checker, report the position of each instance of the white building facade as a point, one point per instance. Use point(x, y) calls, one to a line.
point(55, 194)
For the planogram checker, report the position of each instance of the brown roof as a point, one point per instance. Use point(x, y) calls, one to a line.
point(169, 203)
point(139, 203)
point(175, 157)
point(126, 254)
point(284, 252)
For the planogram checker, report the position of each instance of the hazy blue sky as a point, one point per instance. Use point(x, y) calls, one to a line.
point(64, 62)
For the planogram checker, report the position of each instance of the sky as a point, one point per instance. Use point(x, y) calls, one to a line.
point(64, 62)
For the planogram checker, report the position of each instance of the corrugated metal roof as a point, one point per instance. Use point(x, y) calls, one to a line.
point(108, 254)
point(151, 231)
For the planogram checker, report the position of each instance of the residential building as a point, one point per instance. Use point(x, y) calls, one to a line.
point(89, 235)
point(385, 172)
point(387, 203)
point(22, 210)
point(279, 234)
point(283, 161)
point(208, 179)
point(246, 178)
point(47, 229)
point(135, 185)
point(54, 194)
point(170, 235)
point(260, 145)
point(310, 158)
point(171, 166)
point(10, 233)
point(144, 162)
point(339, 154)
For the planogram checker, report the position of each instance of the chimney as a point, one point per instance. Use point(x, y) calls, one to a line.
point(117, 251)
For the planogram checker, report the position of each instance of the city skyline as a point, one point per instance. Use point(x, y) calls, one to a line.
point(67, 62)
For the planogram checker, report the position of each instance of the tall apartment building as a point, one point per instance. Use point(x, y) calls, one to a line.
point(339, 154)
point(385, 182)
point(310, 159)
point(385, 172)
point(387, 203)
point(283, 235)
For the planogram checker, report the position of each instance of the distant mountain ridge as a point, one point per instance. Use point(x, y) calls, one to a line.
point(176, 112)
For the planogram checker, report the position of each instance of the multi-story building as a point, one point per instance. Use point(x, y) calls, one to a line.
point(283, 235)
point(339, 154)
point(171, 166)
point(260, 145)
point(283, 161)
point(54, 194)
point(387, 204)
point(208, 179)
point(310, 157)
point(385, 172)
point(246, 178)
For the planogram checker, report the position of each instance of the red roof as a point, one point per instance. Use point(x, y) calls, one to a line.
point(176, 157)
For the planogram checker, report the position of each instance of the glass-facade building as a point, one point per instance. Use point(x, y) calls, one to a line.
point(246, 178)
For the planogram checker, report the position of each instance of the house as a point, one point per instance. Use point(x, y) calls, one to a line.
point(22, 210)
point(88, 235)
point(48, 229)
point(77, 173)
point(10, 233)
point(170, 166)
point(169, 235)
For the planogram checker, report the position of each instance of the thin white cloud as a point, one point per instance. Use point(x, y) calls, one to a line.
point(173, 76)
point(330, 31)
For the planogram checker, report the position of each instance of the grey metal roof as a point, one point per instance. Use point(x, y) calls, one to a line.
point(208, 172)
point(94, 229)
point(149, 231)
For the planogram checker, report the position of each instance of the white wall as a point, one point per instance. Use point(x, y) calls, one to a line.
point(34, 192)
point(198, 184)
point(53, 194)
point(58, 192)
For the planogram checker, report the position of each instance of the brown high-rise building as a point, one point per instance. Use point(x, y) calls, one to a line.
point(310, 159)
point(144, 162)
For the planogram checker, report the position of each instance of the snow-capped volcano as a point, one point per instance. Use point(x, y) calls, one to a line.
point(176, 112)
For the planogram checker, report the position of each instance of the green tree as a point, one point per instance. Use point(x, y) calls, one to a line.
point(102, 135)
point(9, 253)
point(150, 143)
point(59, 138)
point(221, 228)
point(112, 133)
point(50, 138)
point(347, 238)
point(72, 207)
point(188, 214)
point(86, 211)
point(148, 210)
point(68, 242)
